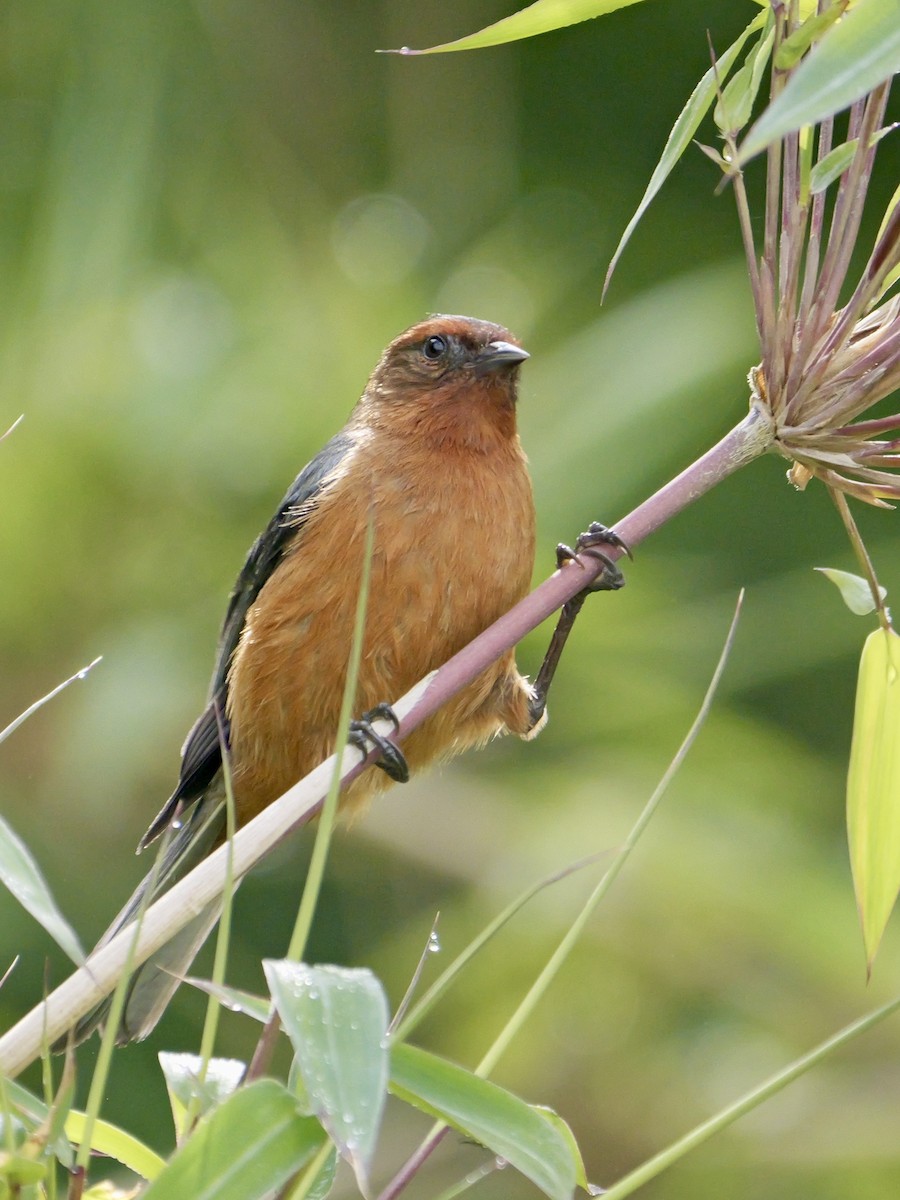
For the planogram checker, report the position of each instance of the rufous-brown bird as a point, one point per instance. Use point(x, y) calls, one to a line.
point(431, 457)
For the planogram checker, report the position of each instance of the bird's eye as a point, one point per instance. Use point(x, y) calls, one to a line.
point(434, 347)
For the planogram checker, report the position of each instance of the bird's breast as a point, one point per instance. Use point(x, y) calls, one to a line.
point(453, 548)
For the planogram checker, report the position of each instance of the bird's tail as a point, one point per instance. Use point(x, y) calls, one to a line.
point(153, 983)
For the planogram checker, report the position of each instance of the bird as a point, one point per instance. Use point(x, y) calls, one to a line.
point(431, 459)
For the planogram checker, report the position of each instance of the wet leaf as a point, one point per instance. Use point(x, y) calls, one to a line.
point(245, 1149)
point(337, 1020)
point(183, 1083)
point(518, 1132)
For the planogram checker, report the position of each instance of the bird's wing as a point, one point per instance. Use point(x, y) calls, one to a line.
point(201, 754)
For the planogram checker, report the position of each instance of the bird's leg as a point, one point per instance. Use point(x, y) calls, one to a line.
point(610, 579)
point(365, 738)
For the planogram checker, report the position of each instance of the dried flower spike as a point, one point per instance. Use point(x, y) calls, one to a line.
point(824, 365)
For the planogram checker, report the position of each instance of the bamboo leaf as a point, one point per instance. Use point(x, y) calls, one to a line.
point(857, 54)
point(893, 275)
point(234, 999)
point(855, 590)
point(540, 17)
point(324, 1180)
point(873, 786)
point(337, 1020)
point(683, 131)
point(519, 1133)
point(185, 1080)
point(831, 166)
point(810, 31)
point(35, 1113)
point(22, 876)
point(115, 1143)
point(246, 1149)
point(732, 112)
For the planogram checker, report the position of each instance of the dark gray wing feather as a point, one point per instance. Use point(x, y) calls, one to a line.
point(201, 754)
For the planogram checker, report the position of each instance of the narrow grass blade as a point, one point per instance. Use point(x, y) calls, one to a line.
point(702, 1133)
point(447, 977)
point(19, 419)
point(569, 940)
point(893, 275)
point(33, 1113)
point(33, 708)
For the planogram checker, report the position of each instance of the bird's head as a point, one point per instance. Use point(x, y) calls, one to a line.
point(454, 375)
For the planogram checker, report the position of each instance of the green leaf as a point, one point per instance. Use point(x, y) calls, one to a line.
point(35, 1113)
point(854, 589)
point(892, 276)
point(811, 30)
point(324, 1180)
point(183, 1083)
point(838, 160)
point(683, 131)
point(234, 999)
point(22, 876)
point(835, 163)
point(20, 1171)
point(337, 1020)
point(732, 112)
point(873, 786)
point(506, 1125)
point(565, 1132)
point(245, 1149)
point(540, 17)
point(861, 51)
point(54, 1129)
point(297, 1088)
point(115, 1143)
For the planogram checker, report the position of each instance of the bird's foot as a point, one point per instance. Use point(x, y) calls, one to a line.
point(365, 737)
point(610, 578)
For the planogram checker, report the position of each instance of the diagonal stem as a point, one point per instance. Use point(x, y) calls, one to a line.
point(50, 1019)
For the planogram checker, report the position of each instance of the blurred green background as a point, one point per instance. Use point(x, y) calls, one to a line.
point(212, 218)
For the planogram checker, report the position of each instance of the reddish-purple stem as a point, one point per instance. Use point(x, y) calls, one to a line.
point(405, 1175)
point(745, 442)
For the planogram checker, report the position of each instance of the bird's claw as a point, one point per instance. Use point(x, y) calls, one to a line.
point(610, 578)
point(365, 738)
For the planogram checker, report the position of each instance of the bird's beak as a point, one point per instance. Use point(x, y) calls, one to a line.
point(498, 355)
